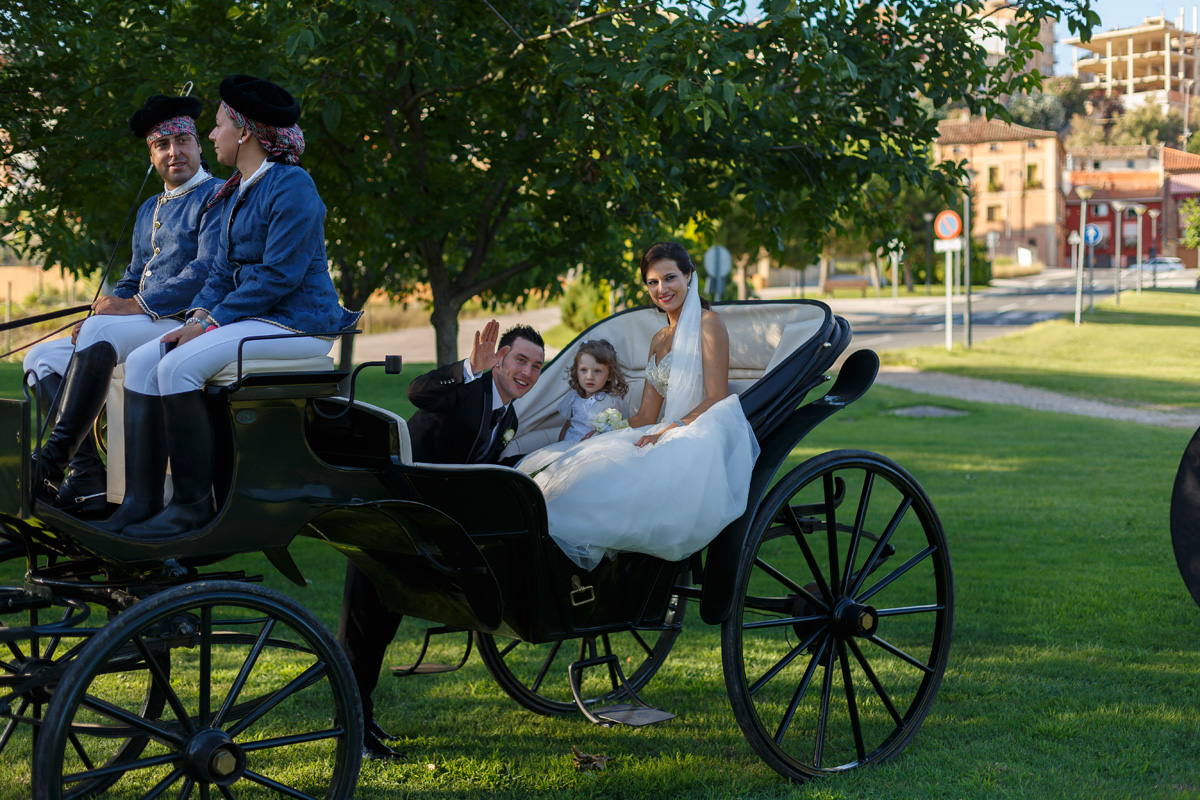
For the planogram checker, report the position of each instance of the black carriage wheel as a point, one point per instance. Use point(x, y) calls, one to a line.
point(260, 702)
point(1185, 517)
point(38, 661)
point(535, 675)
point(840, 632)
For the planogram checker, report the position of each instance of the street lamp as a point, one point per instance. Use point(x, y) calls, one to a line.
point(1154, 213)
point(1119, 206)
point(1085, 193)
point(1139, 209)
point(928, 217)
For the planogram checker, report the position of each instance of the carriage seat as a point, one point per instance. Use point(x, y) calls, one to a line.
point(115, 435)
point(761, 336)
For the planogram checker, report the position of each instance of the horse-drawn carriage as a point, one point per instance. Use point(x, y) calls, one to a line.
point(144, 670)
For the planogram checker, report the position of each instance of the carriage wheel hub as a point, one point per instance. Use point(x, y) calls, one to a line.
point(34, 667)
point(855, 619)
point(211, 756)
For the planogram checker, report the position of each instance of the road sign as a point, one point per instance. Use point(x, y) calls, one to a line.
point(717, 261)
point(948, 245)
point(947, 225)
point(1092, 234)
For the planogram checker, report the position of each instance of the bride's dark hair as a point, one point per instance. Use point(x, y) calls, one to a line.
point(671, 251)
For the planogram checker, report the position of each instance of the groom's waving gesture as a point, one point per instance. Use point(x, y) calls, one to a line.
point(464, 416)
point(464, 410)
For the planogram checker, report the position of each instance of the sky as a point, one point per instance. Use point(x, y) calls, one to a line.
point(1121, 14)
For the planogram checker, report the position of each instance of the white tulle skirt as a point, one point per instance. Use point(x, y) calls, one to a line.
point(605, 495)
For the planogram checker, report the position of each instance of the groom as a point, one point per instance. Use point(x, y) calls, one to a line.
point(464, 416)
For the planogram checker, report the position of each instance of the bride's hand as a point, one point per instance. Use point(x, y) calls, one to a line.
point(651, 438)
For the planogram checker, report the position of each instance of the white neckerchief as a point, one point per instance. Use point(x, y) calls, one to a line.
point(246, 182)
point(200, 176)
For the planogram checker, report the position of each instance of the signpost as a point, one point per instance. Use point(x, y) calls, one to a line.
point(948, 225)
point(1092, 236)
point(718, 263)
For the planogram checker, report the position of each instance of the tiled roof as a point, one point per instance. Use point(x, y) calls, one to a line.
point(978, 130)
point(1101, 152)
point(1185, 185)
point(1179, 161)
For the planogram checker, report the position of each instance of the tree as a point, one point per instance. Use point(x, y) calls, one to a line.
point(1148, 125)
point(1189, 236)
point(1036, 110)
point(484, 150)
point(1069, 92)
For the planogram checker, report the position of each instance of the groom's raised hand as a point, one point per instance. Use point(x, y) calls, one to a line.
point(484, 355)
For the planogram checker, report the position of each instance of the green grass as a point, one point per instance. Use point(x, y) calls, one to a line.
point(1146, 352)
point(1074, 670)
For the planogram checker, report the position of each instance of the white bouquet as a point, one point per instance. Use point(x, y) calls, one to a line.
point(609, 419)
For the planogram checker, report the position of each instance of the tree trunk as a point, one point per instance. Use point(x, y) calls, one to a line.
point(346, 352)
point(445, 328)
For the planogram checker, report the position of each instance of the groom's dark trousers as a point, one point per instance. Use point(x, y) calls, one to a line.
point(451, 425)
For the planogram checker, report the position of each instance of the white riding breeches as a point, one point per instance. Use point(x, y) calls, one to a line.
point(188, 366)
point(125, 332)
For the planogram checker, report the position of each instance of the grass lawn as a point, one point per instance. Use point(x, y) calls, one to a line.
point(1075, 669)
point(1146, 352)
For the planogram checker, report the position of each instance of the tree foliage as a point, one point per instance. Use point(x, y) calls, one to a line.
point(484, 149)
point(1037, 110)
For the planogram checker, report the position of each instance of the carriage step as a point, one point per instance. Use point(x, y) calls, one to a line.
point(636, 713)
point(633, 714)
point(421, 667)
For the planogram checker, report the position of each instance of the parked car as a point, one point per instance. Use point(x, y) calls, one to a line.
point(1161, 264)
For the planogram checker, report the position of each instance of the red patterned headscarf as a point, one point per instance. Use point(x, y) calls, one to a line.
point(281, 144)
point(172, 126)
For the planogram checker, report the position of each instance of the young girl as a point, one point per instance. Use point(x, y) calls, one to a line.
point(600, 388)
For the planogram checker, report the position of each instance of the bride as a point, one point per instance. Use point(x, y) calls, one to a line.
point(663, 488)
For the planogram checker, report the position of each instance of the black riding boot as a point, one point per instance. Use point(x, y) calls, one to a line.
point(190, 445)
point(145, 462)
point(82, 395)
point(85, 490)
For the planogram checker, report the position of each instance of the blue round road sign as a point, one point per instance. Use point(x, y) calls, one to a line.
point(1092, 234)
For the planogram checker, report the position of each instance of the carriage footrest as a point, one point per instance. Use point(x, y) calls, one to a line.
point(636, 713)
point(633, 714)
point(420, 667)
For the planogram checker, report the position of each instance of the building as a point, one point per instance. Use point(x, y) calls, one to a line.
point(1004, 13)
point(1153, 63)
point(1160, 178)
point(1017, 194)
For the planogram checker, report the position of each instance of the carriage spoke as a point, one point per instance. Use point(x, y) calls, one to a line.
point(860, 520)
point(782, 663)
point(226, 793)
point(831, 531)
point(884, 697)
point(298, 684)
point(880, 544)
point(263, 780)
point(205, 700)
point(823, 712)
point(896, 573)
point(159, 677)
point(123, 767)
point(205, 794)
point(104, 708)
point(637, 637)
point(243, 674)
point(165, 784)
point(11, 726)
point(802, 542)
point(781, 622)
point(80, 751)
point(541, 676)
point(801, 688)
point(612, 670)
point(901, 610)
point(898, 653)
point(851, 706)
point(776, 605)
point(508, 648)
point(185, 791)
point(297, 738)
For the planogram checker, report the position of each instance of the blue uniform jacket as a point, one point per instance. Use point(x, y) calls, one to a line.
point(174, 243)
point(271, 263)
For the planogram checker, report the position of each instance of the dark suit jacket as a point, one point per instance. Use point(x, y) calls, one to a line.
point(452, 415)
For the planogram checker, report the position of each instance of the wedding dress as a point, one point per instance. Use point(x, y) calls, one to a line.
point(605, 495)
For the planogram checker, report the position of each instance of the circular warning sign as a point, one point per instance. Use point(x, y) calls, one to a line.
point(947, 225)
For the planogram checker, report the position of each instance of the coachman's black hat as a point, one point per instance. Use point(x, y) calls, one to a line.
point(259, 100)
point(161, 108)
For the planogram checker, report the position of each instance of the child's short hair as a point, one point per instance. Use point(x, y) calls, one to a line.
point(604, 353)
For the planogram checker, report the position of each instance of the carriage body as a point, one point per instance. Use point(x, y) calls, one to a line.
point(468, 546)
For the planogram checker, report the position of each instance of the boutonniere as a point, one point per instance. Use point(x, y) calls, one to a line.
point(508, 436)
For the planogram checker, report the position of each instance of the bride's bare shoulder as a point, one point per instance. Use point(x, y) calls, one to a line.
point(711, 322)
